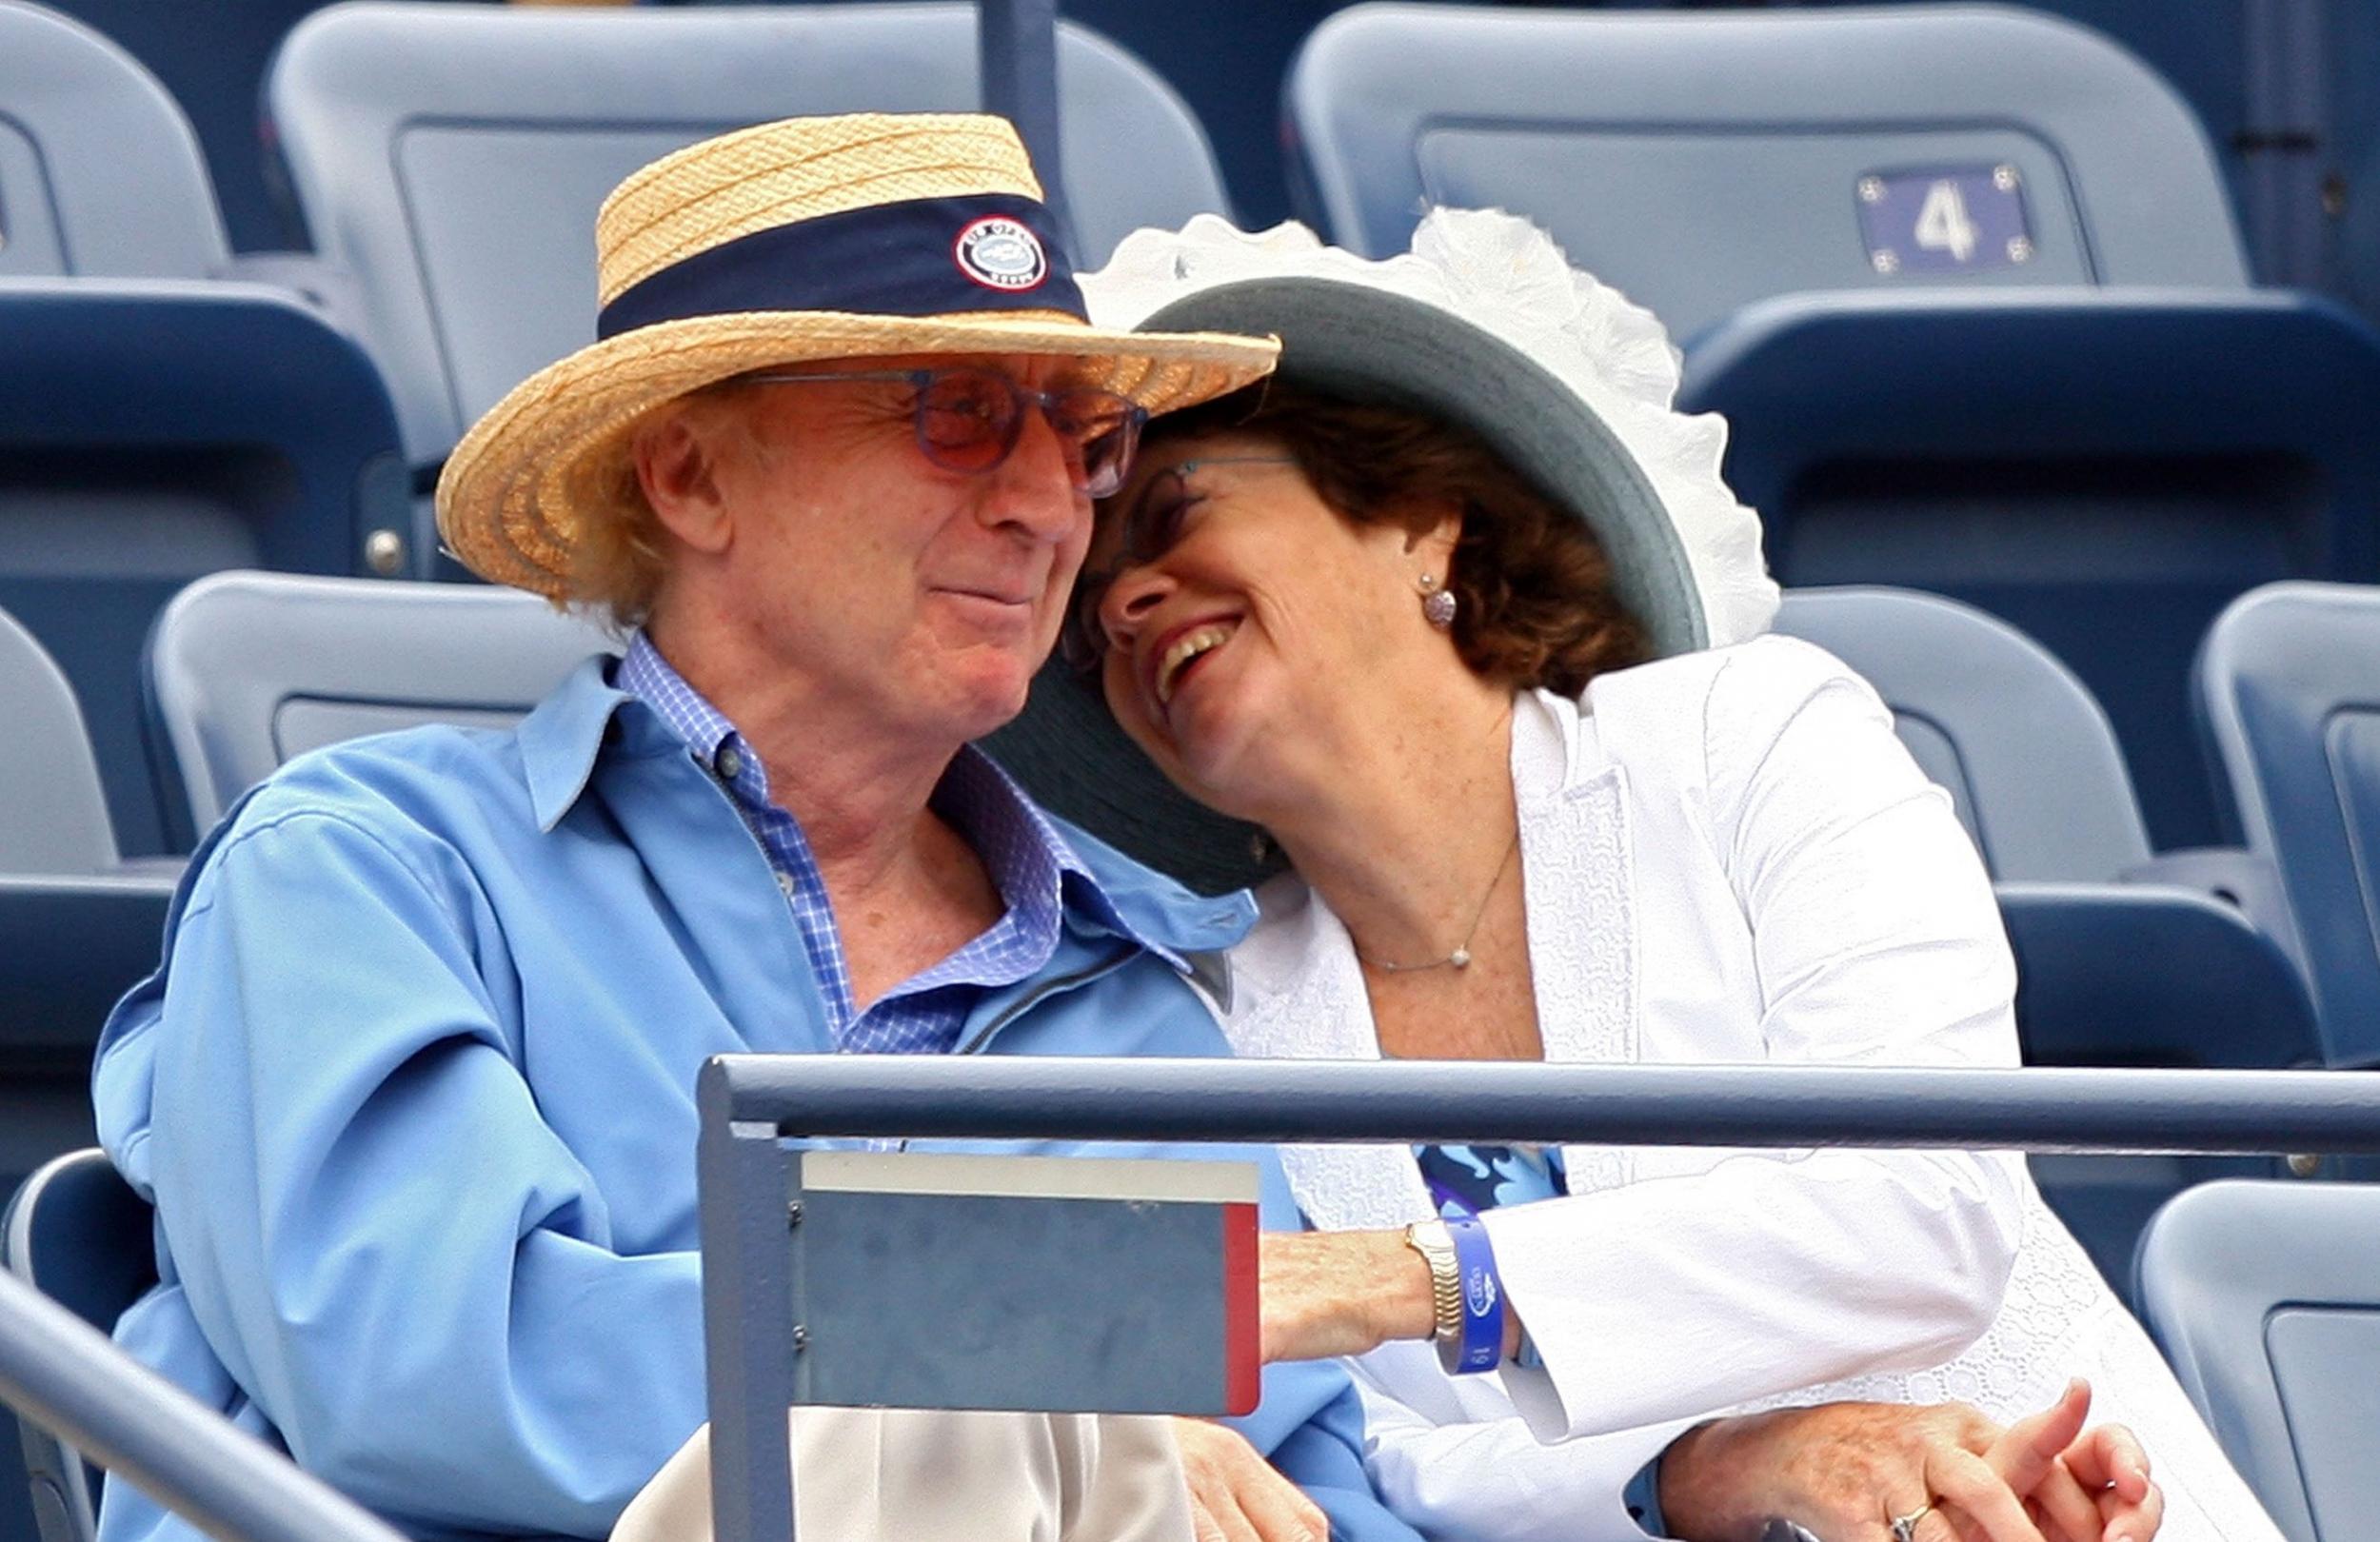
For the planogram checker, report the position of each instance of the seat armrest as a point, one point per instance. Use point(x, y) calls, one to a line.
point(2147, 974)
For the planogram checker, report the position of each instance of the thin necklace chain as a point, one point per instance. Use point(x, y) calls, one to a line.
point(1460, 958)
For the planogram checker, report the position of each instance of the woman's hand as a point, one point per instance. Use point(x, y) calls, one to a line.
point(2091, 1487)
point(1235, 1495)
point(1328, 1294)
point(1848, 1470)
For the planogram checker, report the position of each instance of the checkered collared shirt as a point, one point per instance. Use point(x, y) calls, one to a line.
point(1023, 853)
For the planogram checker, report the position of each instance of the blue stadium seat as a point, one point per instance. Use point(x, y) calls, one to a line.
point(100, 173)
point(53, 811)
point(247, 670)
point(2103, 469)
point(80, 1235)
point(78, 925)
point(2288, 683)
point(2024, 749)
point(2146, 975)
point(452, 157)
point(1702, 162)
point(155, 430)
point(2266, 1299)
point(2109, 972)
point(154, 424)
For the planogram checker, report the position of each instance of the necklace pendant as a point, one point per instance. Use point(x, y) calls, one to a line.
point(1461, 959)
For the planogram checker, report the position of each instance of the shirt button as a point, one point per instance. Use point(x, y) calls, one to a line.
point(727, 762)
point(784, 885)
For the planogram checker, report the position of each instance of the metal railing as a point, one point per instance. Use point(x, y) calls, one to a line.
point(64, 1374)
point(1270, 1102)
point(1016, 57)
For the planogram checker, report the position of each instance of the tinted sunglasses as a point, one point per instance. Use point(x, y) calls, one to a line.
point(968, 419)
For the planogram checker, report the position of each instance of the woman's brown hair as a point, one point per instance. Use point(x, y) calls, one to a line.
point(1535, 605)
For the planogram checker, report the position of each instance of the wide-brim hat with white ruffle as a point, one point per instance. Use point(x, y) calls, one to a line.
point(1483, 324)
point(810, 239)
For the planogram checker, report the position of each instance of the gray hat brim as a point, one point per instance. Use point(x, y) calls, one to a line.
point(1367, 345)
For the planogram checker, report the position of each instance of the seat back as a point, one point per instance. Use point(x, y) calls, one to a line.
point(79, 1235)
point(247, 671)
point(452, 157)
point(2288, 682)
point(2103, 470)
point(2266, 1299)
point(100, 173)
point(2145, 975)
point(155, 430)
point(2024, 749)
point(53, 812)
point(1699, 162)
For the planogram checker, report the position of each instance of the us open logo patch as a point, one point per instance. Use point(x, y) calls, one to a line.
point(1001, 253)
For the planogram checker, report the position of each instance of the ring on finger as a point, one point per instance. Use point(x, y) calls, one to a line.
point(1904, 1528)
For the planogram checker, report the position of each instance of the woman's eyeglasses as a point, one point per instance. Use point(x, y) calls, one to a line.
point(968, 420)
point(1151, 525)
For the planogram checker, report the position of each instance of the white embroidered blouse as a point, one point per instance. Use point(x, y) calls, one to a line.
point(1728, 858)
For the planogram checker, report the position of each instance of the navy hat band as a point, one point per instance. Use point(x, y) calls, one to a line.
point(919, 257)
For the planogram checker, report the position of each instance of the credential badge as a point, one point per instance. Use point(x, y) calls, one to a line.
point(1001, 253)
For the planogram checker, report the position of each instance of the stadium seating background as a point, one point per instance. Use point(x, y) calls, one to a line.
point(1227, 58)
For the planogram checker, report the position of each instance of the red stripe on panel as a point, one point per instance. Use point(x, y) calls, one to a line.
point(1242, 1312)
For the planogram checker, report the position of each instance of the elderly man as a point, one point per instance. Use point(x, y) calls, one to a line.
point(414, 1089)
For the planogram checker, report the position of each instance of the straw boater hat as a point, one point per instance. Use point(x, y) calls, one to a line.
point(809, 239)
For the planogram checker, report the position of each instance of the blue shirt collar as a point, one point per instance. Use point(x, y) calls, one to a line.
point(564, 739)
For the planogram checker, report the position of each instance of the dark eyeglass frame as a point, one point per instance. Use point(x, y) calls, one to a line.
point(1081, 643)
point(1101, 430)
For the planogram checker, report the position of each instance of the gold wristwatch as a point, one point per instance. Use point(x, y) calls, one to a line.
point(1431, 1239)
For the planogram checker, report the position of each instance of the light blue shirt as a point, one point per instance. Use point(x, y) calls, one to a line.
point(413, 1092)
point(1022, 851)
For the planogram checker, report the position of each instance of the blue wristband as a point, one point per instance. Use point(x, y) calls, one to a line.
point(1481, 1346)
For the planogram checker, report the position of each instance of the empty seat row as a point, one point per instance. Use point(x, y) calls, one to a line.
point(2018, 364)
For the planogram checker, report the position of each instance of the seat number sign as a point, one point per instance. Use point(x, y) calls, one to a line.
point(1945, 220)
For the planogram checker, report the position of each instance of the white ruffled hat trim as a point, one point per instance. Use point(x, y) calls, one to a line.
point(1502, 274)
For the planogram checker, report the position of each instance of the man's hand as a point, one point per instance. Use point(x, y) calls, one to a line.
point(1847, 1470)
point(1329, 1294)
point(1843, 1469)
point(1235, 1495)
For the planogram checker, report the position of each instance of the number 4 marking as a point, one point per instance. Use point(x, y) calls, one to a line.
point(1943, 224)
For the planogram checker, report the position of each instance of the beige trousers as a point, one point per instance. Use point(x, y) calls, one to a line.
point(916, 1475)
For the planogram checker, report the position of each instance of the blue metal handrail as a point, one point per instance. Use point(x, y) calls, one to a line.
point(1016, 57)
point(62, 1373)
point(1271, 1101)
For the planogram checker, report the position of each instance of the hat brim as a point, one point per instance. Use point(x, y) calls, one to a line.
point(513, 496)
point(1373, 345)
point(1369, 345)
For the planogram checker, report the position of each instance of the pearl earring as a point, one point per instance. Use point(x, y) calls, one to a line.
point(1437, 605)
